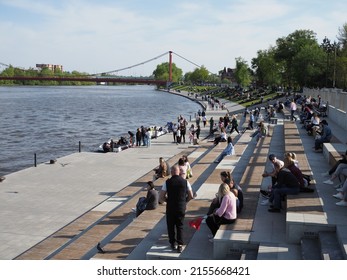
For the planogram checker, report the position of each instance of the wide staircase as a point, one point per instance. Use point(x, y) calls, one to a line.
point(121, 235)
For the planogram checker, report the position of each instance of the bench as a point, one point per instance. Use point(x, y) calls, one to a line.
point(332, 152)
point(236, 238)
point(206, 187)
point(305, 216)
point(125, 241)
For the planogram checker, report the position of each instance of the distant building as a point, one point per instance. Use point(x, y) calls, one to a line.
point(50, 67)
point(227, 73)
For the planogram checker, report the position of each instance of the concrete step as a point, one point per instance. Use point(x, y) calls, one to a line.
point(310, 249)
point(198, 246)
point(323, 246)
point(329, 246)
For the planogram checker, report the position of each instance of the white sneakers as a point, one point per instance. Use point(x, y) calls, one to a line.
point(325, 174)
point(338, 195)
point(341, 203)
point(328, 182)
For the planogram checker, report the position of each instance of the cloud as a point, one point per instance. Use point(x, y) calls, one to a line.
point(94, 36)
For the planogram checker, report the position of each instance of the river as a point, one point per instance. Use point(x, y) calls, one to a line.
point(51, 121)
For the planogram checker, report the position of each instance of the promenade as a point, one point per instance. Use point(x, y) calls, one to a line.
point(39, 201)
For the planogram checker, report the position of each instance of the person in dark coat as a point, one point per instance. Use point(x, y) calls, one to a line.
point(151, 200)
point(176, 192)
point(286, 183)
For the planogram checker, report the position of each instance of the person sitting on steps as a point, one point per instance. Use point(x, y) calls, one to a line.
point(228, 151)
point(324, 137)
point(222, 137)
point(225, 214)
point(162, 170)
point(342, 194)
point(286, 183)
point(340, 170)
point(333, 169)
point(150, 202)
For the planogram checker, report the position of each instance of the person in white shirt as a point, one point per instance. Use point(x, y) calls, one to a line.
point(292, 110)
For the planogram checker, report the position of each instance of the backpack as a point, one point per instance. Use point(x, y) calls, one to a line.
point(141, 204)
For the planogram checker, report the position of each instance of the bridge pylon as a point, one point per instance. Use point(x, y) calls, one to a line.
point(170, 66)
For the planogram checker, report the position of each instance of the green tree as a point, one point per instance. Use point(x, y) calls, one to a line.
point(46, 72)
point(342, 37)
point(341, 58)
point(199, 75)
point(8, 72)
point(242, 73)
point(341, 70)
point(309, 65)
point(288, 48)
point(215, 79)
point(267, 70)
point(162, 72)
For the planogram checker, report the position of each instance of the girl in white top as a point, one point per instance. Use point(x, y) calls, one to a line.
point(189, 168)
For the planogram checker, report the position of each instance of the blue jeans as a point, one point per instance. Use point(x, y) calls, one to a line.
point(318, 143)
point(278, 192)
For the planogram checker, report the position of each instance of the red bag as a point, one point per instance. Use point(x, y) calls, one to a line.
point(196, 223)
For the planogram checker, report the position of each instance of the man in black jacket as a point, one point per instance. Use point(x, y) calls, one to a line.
point(176, 192)
point(286, 183)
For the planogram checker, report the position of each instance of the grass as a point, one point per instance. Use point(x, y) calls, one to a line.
point(255, 97)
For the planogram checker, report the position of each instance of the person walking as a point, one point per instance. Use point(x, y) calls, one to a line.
point(292, 110)
point(234, 125)
point(251, 121)
point(211, 126)
point(176, 192)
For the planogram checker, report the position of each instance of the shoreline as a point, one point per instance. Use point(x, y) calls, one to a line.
point(38, 201)
point(56, 132)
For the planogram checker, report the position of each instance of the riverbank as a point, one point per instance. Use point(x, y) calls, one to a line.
point(51, 121)
point(40, 200)
point(52, 197)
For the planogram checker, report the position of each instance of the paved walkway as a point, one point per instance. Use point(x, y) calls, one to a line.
point(37, 201)
point(40, 200)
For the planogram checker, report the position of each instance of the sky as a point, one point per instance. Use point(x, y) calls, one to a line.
point(101, 36)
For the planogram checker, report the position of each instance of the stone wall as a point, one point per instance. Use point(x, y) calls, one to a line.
point(336, 100)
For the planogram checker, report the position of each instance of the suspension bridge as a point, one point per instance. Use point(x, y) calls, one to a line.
point(105, 77)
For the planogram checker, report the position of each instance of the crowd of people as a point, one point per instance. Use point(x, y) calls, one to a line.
point(180, 130)
point(286, 178)
point(176, 191)
point(286, 175)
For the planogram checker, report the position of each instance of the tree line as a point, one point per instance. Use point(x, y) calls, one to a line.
point(11, 71)
point(295, 61)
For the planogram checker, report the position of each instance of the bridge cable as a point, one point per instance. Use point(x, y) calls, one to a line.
point(3, 64)
point(192, 62)
point(187, 60)
point(125, 68)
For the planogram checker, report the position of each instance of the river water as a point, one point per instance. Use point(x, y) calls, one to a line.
point(51, 121)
